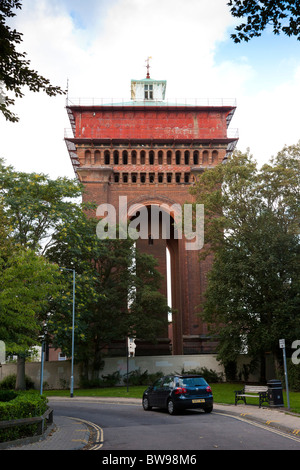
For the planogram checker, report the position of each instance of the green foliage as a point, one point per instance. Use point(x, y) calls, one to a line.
point(9, 382)
point(293, 372)
point(116, 292)
point(210, 375)
point(252, 229)
point(15, 72)
point(137, 377)
point(34, 205)
point(7, 395)
point(24, 405)
point(109, 380)
point(27, 281)
point(282, 15)
point(31, 206)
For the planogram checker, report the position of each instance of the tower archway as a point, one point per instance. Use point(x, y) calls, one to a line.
point(161, 239)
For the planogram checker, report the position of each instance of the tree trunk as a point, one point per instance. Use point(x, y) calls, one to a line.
point(20, 382)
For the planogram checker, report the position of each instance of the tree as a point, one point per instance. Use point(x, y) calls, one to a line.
point(15, 71)
point(116, 293)
point(27, 281)
point(31, 207)
point(34, 205)
point(284, 16)
point(252, 227)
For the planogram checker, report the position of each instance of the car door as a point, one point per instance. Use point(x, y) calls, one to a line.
point(154, 392)
point(167, 386)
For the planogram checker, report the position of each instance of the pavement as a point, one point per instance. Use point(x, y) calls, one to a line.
point(68, 433)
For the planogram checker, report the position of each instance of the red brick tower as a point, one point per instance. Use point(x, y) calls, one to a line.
point(151, 151)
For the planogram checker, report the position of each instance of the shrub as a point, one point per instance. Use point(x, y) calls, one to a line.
point(136, 377)
point(293, 372)
point(9, 382)
point(25, 405)
point(211, 376)
point(7, 395)
point(109, 380)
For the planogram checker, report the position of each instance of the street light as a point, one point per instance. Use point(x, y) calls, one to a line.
point(73, 325)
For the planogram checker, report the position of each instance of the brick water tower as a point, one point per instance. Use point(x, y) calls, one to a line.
point(149, 151)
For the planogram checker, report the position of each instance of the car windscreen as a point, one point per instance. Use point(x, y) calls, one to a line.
point(191, 382)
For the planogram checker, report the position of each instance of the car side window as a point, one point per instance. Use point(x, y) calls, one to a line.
point(158, 383)
point(168, 382)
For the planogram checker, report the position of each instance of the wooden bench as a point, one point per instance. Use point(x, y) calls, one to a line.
point(258, 391)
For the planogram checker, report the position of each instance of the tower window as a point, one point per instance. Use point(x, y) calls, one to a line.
point(215, 156)
point(143, 177)
point(169, 157)
point(160, 177)
point(116, 157)
point(106, 157)
point(178, 157)
point(151, 158)
point(133, 177)
point(187, 178)
point(178, 177)
point(97, 157)
point(169, 177)
point(151, 177)
point(133, 157)
point(148, 89)
point(125, 157)
point(125, 178)
point(116, 177)
point(87, 157)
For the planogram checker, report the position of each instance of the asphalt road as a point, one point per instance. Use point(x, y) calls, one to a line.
point(128, 427)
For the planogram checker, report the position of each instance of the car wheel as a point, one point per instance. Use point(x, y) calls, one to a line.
point(208, 409)
point(146, 405)
point(171, 407)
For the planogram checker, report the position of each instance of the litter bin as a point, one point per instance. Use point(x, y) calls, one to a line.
point(275, 393)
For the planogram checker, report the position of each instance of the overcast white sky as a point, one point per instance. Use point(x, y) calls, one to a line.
point(100, 45)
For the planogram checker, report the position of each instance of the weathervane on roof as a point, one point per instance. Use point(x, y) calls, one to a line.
point(148, 67)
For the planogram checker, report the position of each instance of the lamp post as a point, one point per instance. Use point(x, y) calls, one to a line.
point(73, 325)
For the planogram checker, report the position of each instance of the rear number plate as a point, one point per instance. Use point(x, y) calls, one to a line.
point(201, 400)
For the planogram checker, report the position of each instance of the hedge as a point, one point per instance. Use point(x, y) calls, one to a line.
point(22, 405)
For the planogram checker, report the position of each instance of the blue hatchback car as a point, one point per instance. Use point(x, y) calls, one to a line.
point(179, 392)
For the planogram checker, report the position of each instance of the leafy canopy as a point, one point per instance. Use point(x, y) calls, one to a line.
point(252, 229)
point(15, 71)
point(283, 16)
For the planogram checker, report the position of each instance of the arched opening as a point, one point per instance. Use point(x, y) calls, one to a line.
point(125, 157)
point(169, 157)
point(160, 157)
point(196, 157)
point(133, 157)
point(186, 157)
point(107, 157)
point(205, 157)
point(116, 157)
point(97, 157)
point(87, 157)
point(214, 156)
point(151, 157)
point(160, 240)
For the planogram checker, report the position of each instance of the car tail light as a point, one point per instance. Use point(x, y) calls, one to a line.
point(208, 389)
point(180, 391)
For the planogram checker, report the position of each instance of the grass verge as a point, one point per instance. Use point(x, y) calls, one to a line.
point(223, 393)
